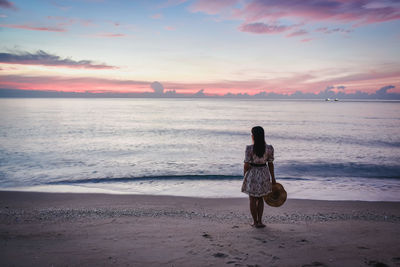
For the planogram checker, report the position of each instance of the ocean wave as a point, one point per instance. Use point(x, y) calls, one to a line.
point(296, 172)
point(149, 178)
point(350, 169)
point(160, 178)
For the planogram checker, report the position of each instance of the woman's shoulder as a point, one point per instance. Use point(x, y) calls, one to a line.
point(249, 147)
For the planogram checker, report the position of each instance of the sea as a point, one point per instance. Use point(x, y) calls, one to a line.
point(327, 150)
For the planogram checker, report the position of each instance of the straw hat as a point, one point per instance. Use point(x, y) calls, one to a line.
point(277, 197)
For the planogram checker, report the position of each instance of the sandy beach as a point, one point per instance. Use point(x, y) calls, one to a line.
point(60, 229)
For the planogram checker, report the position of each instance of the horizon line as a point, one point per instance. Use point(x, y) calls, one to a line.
point(327, 95)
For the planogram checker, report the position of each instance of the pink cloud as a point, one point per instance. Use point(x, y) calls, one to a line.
point(297, 33)
point(262, 28)
point(65, 21)
point(110, 35)
point(309, 82)
point(261, 16)
point(170, 28)
point(33, 28)
point(349, 11)
point(306, 40)
point(305, 82)
point(157, 16)
point(366, 82)
point(66, 84)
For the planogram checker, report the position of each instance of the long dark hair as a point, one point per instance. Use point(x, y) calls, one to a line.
point(259, 141)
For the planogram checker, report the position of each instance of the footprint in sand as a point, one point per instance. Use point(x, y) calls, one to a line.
point(191, 252)
point(376, 264)
point(314, 264)
point(205, 235)
point(260, 239)
point(303, 241)
point(220, 255)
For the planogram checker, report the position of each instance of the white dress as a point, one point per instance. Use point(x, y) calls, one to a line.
point(257, 180)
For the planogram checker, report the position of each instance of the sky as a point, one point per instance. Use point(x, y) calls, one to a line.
point(212, 47)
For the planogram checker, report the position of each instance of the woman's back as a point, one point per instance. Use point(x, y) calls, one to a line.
point(252, 157)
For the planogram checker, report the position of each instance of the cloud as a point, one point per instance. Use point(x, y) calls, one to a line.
point(263, 16)
point(156, 16)
point(58, 24)
point(4, 92)
point(72, 84)
point(157, 87)
point(170, 28)
point(329, 88)
point(335, 30)
point(67, 21)
point(384, 89)
point(46, 59)
point(199, 93)
point(110, 35)
point(309, 82)
point(33, 28)
point(306, 40)
point(350, 11)
point(61, 7)
point(212, 7)
point(297, 33)
point(262, 28)
point(7, 4)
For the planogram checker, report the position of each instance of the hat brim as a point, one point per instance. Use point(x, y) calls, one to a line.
point(277, 196)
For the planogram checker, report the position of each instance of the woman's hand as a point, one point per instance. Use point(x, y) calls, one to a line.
point(272, 172)
point(246, 167)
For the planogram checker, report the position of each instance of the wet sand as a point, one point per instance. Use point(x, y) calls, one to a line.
point(64, 229)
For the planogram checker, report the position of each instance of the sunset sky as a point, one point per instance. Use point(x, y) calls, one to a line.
point(237, 46)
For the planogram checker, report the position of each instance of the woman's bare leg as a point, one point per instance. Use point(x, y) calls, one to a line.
point(253, 209)
point(260, 211)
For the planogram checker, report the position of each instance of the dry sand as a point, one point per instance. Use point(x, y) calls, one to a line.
point(45, 229)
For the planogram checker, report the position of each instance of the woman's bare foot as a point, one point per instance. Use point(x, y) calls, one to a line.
point(260, 225)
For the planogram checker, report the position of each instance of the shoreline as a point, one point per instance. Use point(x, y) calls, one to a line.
point(366, 189)
point(134, 195)
point(145, 230)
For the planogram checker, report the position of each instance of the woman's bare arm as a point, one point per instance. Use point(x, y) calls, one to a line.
point(246, 167)
point(271, 170)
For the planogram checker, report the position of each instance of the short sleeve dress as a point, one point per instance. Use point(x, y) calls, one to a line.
point(257, 180)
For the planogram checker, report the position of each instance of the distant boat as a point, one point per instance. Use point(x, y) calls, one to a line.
point(327, 99)
point(336, 99)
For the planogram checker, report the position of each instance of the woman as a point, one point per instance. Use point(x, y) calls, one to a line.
point(258, 174)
